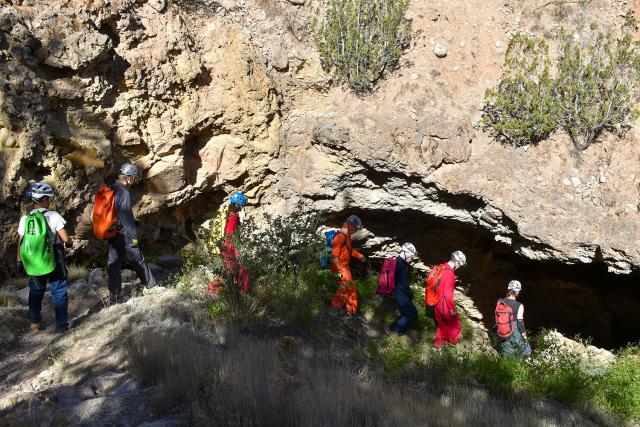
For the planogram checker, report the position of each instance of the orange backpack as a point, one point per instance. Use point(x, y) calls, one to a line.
point(105, 219)
point(432, 292)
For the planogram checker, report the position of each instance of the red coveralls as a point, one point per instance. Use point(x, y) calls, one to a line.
point(230, 254)
point(447, 319)
point(346, 296)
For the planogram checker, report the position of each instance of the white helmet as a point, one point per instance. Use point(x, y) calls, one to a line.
point(40, 190)
point(129, 169)
point(459, 257)
point(408, 247)
point(514, 286)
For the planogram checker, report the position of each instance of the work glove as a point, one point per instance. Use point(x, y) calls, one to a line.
point(20, 268)
point(134, 243)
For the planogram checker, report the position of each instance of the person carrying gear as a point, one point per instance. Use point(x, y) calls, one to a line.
point(232, 265)
point(447, 319)
point(41, 255)
point(123, 247)
point(404, 296)
point(346, 297)
point(510, 329)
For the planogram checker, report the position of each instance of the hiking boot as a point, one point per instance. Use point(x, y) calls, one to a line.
point(355, 316)
point(37, 327)
point(341, 313)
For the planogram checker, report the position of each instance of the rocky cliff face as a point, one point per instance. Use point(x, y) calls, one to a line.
point(208, 96)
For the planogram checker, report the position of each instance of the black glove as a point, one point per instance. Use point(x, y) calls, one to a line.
point(20, 268)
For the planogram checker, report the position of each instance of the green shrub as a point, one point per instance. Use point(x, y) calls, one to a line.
point(279, 244)
point(522, 109)
point(620, 385)
point(596, 83)
point(361, 39)
point(592, 91)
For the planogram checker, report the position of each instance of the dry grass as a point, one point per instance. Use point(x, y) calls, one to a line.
point(242, 380)
point(18, 282)
point(76, 272)
point(8, 299)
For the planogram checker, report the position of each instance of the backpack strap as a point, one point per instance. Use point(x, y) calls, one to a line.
point(345, 241)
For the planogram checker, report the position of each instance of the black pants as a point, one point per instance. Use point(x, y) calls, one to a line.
point(122, 252)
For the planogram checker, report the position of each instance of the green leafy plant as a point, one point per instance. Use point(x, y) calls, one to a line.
point(362, 39)
point(522, 109)
point(596, 82)
point(620, 386)
point(592, 90)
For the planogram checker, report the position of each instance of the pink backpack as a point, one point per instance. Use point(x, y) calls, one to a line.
point(387, 280)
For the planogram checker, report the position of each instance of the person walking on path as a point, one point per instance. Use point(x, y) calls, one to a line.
point(403, 293)
point(232, 265)
point(345, 300)
point(42, 237)
point(510, 329)
point(123, 247)
point(447, 318)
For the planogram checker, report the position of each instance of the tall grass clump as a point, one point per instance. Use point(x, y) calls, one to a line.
point(361, 39)
point(620, 385)
point(587, 88)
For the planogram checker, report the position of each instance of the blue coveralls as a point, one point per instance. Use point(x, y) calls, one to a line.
point(404, 298)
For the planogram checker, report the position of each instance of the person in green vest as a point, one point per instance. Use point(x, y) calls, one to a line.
point(42, 237)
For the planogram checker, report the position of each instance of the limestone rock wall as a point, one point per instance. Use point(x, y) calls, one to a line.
point(88, 85)
point(206, 96)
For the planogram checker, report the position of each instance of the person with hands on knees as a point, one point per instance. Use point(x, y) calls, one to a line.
point(42, 237)
point(123, 247)
point(345, 300)
point(447, 319)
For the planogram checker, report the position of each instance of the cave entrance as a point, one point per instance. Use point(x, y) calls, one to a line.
point(582, 300)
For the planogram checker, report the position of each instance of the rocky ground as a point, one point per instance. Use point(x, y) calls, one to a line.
point(81, 377)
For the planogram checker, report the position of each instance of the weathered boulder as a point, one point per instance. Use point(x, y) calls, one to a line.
point(96, 278)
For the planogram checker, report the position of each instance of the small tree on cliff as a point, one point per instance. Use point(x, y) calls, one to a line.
point(593, 89)
point(361, 39)
point(596, 82)
point(522, 109)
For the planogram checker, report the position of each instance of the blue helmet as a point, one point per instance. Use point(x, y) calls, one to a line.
point(238, 199)
point(354, 221)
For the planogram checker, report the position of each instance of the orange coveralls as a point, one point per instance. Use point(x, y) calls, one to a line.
point(346, 296)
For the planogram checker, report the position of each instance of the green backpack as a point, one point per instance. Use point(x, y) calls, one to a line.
point(36, 251)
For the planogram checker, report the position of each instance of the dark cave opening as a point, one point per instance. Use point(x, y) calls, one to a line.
point(583, 299)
